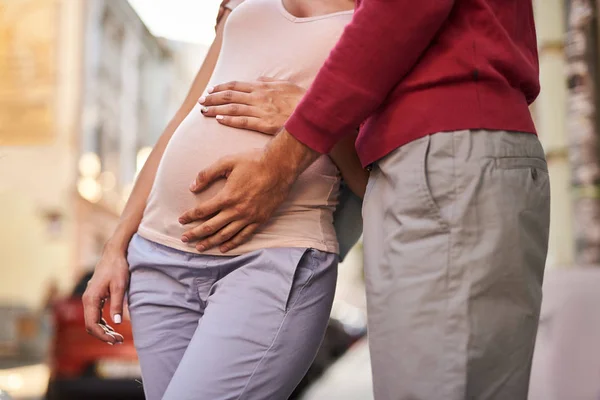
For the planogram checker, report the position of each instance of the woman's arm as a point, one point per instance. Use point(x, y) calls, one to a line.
point(111, 275)
point(345, 157)
point(134, 209)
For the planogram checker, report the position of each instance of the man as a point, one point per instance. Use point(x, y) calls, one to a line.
point(457, 209)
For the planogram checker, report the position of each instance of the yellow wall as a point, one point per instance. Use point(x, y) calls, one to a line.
point(36, 180)
point(29, 258)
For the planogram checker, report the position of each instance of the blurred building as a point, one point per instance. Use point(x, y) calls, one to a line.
point(124, 108)
point(186, 61)
point(85, 90)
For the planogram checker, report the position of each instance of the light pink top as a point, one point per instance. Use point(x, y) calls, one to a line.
point(260, 39)
point(232, 4)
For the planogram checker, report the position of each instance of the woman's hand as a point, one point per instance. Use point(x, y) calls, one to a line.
point(109, 282)
point(263, 106)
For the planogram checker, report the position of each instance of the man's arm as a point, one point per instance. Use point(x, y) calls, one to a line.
point(377, 49)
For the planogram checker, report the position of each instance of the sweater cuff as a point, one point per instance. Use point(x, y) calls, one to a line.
point(309, 133)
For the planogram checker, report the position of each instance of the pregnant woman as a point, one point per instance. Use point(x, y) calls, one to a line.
point(246, 324)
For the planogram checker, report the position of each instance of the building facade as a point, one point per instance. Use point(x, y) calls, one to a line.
point(84, 92)
point(40, 91)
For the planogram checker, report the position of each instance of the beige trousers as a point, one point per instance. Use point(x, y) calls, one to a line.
point(455, 241)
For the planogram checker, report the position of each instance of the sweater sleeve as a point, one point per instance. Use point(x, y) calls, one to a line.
point(378, 48)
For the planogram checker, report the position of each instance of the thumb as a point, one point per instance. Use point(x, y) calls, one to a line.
point(117, 295)
point(218, 170)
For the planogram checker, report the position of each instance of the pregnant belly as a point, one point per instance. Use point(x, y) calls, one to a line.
point(198, 143)
point(201, 141)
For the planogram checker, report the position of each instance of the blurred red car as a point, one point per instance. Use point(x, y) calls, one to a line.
point(83, 367)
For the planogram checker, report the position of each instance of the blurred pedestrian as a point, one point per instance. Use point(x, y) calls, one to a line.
point(457, 207)
point(247, 324)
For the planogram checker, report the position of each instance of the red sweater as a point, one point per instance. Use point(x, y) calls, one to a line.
point(410, 68)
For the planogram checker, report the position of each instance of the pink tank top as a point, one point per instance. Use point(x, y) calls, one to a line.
point(260, 39)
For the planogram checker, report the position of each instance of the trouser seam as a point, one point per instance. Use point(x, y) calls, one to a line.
point(451, 291)
point(263, 357)
point(215, 274)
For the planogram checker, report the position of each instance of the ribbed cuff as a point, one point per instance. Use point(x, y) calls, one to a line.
point(310, 134)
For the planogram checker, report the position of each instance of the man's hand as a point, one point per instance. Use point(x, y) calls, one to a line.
point(263, 106)
point(257, 183)
point(109, 282)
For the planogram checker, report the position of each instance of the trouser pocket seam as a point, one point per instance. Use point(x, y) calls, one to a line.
point(433, 209)
point(290, 303)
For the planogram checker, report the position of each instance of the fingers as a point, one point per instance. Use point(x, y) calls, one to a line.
point(207, 228)
point(203, 211)
point(240, 238)
point(109, 331)
point(217, 230)
point(236, 86)
point(251, 123)
point(218, 170)
point(226, 97)
point(117, 294)
point(231, 109)
point(92, 311)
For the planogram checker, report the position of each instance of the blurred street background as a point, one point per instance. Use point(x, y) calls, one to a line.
point(86, 88)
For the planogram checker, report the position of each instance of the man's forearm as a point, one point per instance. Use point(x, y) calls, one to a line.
point(290, 154)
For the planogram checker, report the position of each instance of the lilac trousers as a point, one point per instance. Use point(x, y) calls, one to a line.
point(217, 328)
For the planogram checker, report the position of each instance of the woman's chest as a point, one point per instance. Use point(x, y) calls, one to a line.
point(260, 41)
